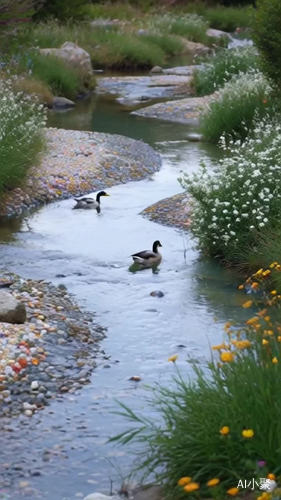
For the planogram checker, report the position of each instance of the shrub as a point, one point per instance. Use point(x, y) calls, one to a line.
point(220, 67)
point(31, 86)
point(267, 37)
point(21, 122)
point(191, 26)
point(59, 76)
point(245, 97)
point(233, 206)
point(169, 44)
point(224, 422)
point(62, 9)
point(230, 18)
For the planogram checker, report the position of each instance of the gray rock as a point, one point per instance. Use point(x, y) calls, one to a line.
point(157, 293)
point(194, 137)
point(62, 103)
point(73, 55)
point(156, 69)
point(11, 310)
point(217, 33)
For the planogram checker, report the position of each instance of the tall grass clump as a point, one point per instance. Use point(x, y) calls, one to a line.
point(222, 425)
point(58, 75)
point(171, 45)
point(234, 205)
point(230, 18)
point(245, 97)
point(222, 66)
point(190, 26)
point(21, 123)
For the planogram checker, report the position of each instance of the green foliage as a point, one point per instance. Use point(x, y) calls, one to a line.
point(171, 45)
point(187, 437)
point(21, 122)
point(235, 204)
point(190, 26)
point(220, 68)
point(230, 18)
point(267, 37)
point(60, 77)
point(242, 99)
point(109, 11)
point(62, 9)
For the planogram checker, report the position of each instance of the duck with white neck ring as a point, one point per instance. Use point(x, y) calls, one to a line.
point(89, 203)
point(148, 258)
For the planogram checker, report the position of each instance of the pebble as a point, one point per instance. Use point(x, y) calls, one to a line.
point(34, 385)
point(157, 293)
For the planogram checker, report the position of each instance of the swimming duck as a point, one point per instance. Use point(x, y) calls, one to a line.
point(148, 258)
point(90, 202)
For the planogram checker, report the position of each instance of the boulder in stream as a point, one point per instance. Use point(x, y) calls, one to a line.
point(11, 309)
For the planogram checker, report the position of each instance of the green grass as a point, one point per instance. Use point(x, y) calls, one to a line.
point(171, 45)
point(240, 101)
point(230, 18)
point(21, 140)
point(220, 68)
point(123, 11)
point(191, 26)
point(184, 439)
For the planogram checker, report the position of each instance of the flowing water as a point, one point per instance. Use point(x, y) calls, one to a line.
point(143, 331)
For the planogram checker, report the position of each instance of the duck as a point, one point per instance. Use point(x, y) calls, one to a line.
point(88, 203)
point(148, 258)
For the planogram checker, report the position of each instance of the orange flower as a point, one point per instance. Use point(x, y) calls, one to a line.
point(225, 430)
point(227, 357)
point(191, 487)
point(271, 476)
point(255, 285)
point(273, 292)
point(184, 480)
point(252, 321)
point(232, 491)
point(274, 361)
point(213, 482)
point(173, 358)
point(264, 342)
point(247, 304)
point(240, 287)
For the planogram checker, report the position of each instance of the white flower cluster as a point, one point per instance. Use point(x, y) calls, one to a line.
point(221, 67)
point(242, 196)
point(168, 22)
point(20, 118)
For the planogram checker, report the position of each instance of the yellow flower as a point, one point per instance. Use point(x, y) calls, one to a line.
point(173, 358)
point(248, 433)
point(242, 344)
point(219, 347)
point(225, 430)
point(255, 285)
point(274, 361)
point(240, 287)
point(273, 292)
point(227, 325)
point(184, 480)
point(271, 476)
point(279, 338)
point(191, 487)
point(268, 332)
point(273, 264)
point(232, 491)
point(252, 321)
point(264, 496)
point(267, 318)
point(247, 304)
point(264, 342)
point(213, 482)
point(266, 272)
point(227, 357)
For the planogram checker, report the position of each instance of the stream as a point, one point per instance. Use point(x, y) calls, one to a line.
point(67, 442)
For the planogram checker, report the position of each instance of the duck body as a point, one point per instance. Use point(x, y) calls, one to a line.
point(148, 258)
point(88, 203)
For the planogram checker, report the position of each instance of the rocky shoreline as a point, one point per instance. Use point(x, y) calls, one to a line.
point(51, 353)
point(78, 162)
point(173, 211)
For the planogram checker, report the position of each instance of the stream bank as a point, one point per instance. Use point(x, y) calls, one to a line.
point(78, 162)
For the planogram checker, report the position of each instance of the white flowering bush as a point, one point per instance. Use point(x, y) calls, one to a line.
point(245, 97)
point(220, 68)
point(190, 26)
point(233, 205)
point(21, 122)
